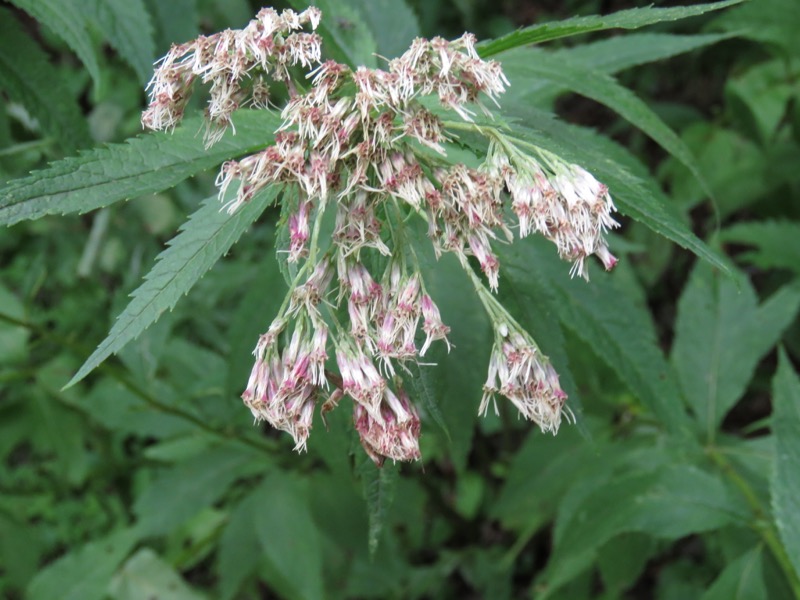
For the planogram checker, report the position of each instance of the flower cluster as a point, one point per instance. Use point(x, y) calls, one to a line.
point(368, 145)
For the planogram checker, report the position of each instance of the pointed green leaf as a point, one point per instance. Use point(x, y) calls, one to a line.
point(289, 540)
point(777, 243)
point(379, 485)
point(625, 19)
point(668, 503)
point(785, 481)
point(204, 239)
point(587, 81)
point(65, 18)
point(27, 76)
point(126, 25)
point(392, 22)
point(634, 193)
point(721, 333)
point(742, 579)
point(143, 165)
point(84, 573)
point(618, 330)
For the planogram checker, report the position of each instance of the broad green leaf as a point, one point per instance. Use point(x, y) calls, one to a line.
point(777, 243)
point(667, 503)
point(773, 22)
point(182, 491)
point(742, 579)
point(608, 56)
point(143, 165)
point(204, 239)
point(66, 19)
point(346, 36)
point(785, 480)
point(736, 169)
point(634, 193)
point(21, 550)
point(83, 573)
point(175, 22)
point(721, 334)
point(392, 22)
point(239, 552)
point(379, 484)
point(126, 26)
point(146, 576)
point(289, 541)
point(27, 76)
point(622, 559)
point(618, 330)
point(625, 19)
point(587, 81)
point(13, 339)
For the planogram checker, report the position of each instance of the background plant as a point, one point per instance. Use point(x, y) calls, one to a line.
point(147, 477)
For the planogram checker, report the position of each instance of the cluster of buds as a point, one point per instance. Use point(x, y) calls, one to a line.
point(366, 143)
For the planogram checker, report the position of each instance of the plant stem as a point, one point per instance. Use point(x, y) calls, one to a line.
point(762, 524)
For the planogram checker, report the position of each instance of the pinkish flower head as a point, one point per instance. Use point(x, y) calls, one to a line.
point(395, 435)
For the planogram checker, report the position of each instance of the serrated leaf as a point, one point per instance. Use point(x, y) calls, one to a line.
point(742, 579)
point(625, 19)
point(379, 484)
point(785, 480)
point(65, 18)
point(84, 573)
point(588, 82)
point(289, 540)
point(424, 392)
point(721, 333)
point(192, 485)
point(143, 165)
point(669, 503)
point(777, 243)
point(147, 576)
point(204, 239)
point(27, 77)
point(634, 193)
point(618, 330)
point(126, 25)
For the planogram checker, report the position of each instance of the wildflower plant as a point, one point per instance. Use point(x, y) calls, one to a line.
point(413, 222)
point(370, 146)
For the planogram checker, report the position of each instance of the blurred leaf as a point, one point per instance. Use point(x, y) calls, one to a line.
point(636, 197)
point(204, 239)
point(734, 167)
point(423, 391)
point(66, 19)
point(668, 503)
point(13, 339)
point(625, 19)
point(143, 165)
point(773, 22)
point(84, 573)
point(720, 335)
point(20, 551)
point(777, 243)
point(183, 490)
point(785, 481)
point(239, 552)
point(146, 576)
point(289, 541)
point(617, 330)
point(27, 76)
point(126, 26)
point(622, 559)
point(175, 22)
point(343, 25)
point(764, 92)
point(602, 88)
point(392, 22)
point(379, 484)
point(742, 579)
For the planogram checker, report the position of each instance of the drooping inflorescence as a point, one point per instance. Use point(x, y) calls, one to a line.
point(369, 145)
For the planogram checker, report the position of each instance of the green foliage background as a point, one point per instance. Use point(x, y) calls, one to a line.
point(147, 478)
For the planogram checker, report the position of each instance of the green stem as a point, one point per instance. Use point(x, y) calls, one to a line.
point(762, 524)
